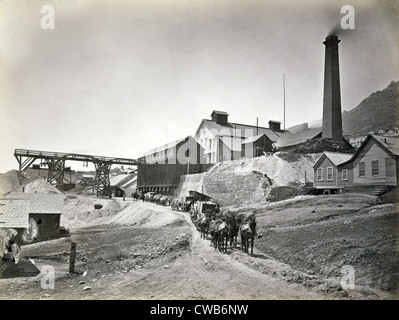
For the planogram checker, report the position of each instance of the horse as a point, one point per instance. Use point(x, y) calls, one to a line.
point(187, 206)
point(166, 200)
point(203, 226)
point(218, 230)
point(222, 237)
point(232, 229)
point(247, 233)
point(175, 204)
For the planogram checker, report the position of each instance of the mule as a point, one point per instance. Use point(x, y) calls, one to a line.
point(247, 233)
point(204, 226)
point(218, 230)
point(222, 237)
point(232, 230)
point(176, 204)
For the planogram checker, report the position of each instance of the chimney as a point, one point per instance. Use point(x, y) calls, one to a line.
point(332, 118)
point(257, 126)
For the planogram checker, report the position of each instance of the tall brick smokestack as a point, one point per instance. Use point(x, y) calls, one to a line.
point(332, 118)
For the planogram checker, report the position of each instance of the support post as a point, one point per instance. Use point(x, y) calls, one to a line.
point(24, 164)
point(102, 183)
point(72, 258)
point(56, 172)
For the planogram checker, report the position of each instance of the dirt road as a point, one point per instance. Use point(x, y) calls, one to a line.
point(148, 251)
point(168, 262)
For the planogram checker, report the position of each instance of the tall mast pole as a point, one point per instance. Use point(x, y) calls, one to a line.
point(284, 97)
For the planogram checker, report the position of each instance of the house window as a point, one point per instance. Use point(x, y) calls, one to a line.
point(374, 167)
point(345, 174)
point(320, 174)
point(362, 169)
point(390, 167)
point(329, 173)
point(210, 143)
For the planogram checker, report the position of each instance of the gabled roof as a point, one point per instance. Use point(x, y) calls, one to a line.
point(166, 146)
point(253, 138)
point(390, 143)
point(336, 158)
point(219, 112)
point(271, 134)
point(211, 125)
point(293, 139)
point(239, 130)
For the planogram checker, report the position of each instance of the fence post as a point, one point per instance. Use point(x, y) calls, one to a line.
point(72, 258)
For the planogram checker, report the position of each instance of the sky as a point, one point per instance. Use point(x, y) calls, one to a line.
point(117, 78)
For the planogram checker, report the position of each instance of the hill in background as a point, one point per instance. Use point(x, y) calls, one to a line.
point(378, 111)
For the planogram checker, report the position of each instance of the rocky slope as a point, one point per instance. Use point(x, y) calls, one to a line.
point(378, 111)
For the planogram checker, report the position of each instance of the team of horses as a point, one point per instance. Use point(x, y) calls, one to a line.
point(179, 205)
point(224, 230)
point(155, 198)
point(165, 200)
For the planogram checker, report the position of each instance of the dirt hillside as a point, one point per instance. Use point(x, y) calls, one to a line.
point(148, 251)
point(250, 180)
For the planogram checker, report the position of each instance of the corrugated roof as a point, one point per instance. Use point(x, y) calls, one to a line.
point(293, 139)
point(114, 181)
point(130, 182)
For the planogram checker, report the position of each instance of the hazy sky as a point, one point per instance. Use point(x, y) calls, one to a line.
point(116, 78)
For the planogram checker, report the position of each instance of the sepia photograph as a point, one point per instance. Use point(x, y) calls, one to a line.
point(210, 152)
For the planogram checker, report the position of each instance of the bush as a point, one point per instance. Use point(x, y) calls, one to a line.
point(282, 193)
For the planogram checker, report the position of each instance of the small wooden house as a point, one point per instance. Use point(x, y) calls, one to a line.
point(328, 172)
point(374, 167)
point(255, 146)
point(44, 213)
point(197, 196)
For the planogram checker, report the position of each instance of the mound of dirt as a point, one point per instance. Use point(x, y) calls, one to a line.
point(320, 145)
point(140, 215)
point(39, 185)
point(248, 181)
point(13, 181)
point(9, 182)
point(80, 211)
